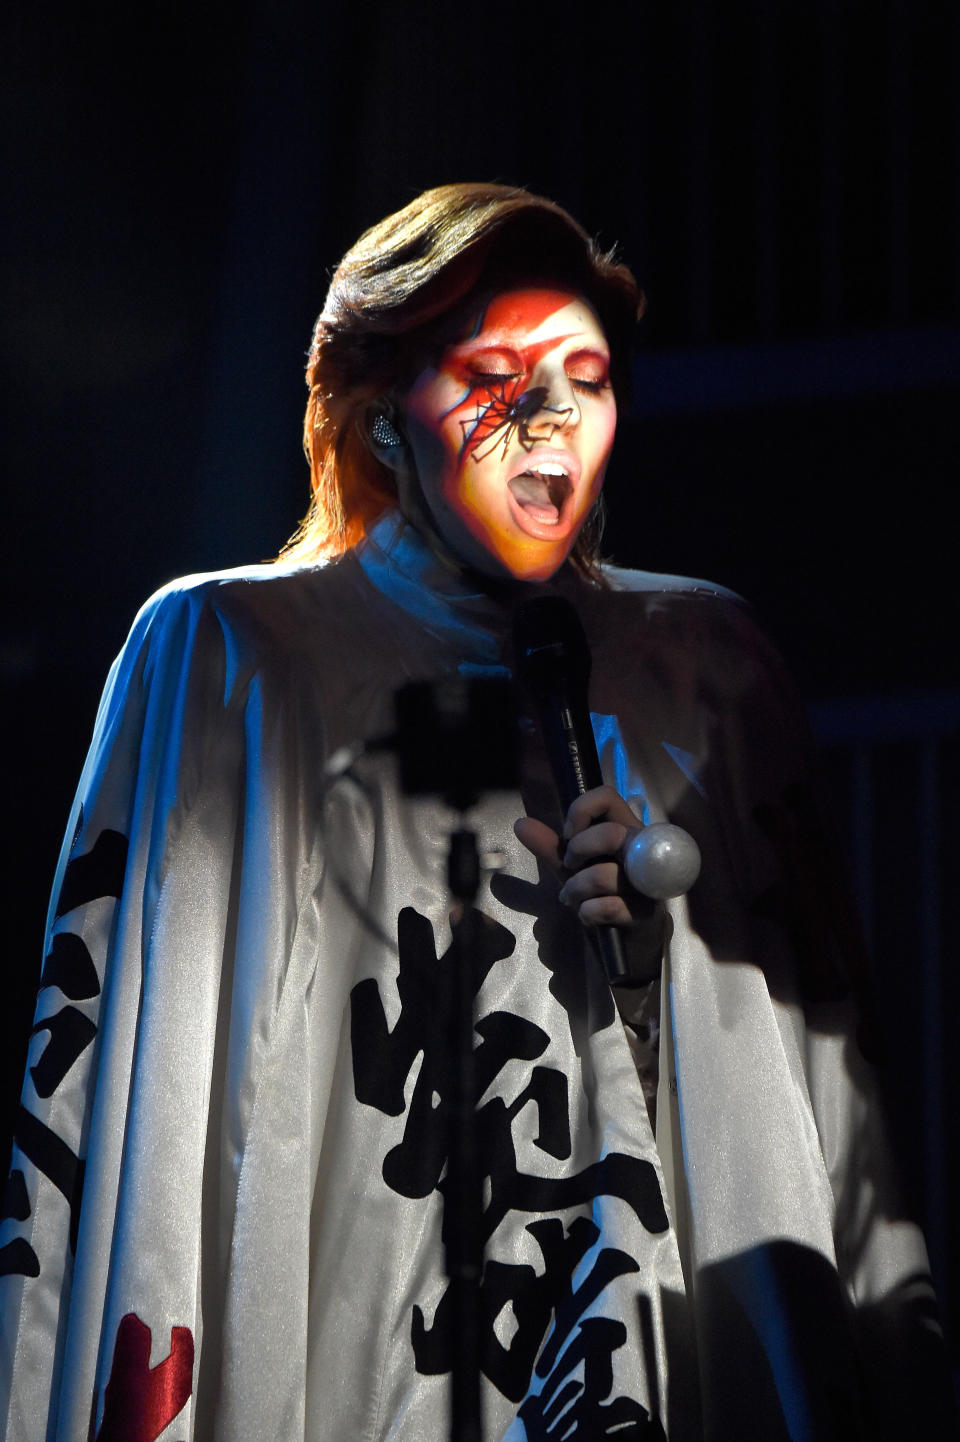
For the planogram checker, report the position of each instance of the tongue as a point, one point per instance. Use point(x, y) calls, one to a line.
point(533, 494)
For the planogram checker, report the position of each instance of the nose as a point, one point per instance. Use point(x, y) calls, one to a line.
point(551, 402)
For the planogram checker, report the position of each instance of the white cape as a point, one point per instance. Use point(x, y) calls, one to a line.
point(225, 1210)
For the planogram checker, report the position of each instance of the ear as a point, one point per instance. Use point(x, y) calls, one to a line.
point(383, 438)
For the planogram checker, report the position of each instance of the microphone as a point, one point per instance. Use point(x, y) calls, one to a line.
point(553, 662)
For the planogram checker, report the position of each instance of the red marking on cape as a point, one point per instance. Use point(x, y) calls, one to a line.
point(140, 1400)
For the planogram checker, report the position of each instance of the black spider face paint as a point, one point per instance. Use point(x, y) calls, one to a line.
point(505, 413)
point(511, 432)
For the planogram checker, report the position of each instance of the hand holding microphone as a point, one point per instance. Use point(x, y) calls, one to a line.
point(603, 840)
point(598, 826)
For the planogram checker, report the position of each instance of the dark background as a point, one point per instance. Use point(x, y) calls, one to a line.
point(782, 177)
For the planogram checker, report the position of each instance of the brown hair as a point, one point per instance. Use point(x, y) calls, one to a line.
point(397, 299)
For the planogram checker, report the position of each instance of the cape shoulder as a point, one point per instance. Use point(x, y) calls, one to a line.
point(623, 579)
point(314, 637)
point(651, 622)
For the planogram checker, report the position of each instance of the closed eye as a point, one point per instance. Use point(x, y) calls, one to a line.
point(488, 377)
point(492, 365)
point(590, 387)
point(588, 371)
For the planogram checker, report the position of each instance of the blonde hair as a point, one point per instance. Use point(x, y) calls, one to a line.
point(395, 302)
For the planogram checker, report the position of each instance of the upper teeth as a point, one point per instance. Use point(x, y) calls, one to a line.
point(548, 468)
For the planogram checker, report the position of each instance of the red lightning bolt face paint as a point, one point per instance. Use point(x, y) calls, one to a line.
point(511, 432)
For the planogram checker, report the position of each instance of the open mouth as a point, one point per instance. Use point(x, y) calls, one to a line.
point(541, 491)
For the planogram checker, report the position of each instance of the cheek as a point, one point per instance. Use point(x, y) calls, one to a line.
point(599, 432)
point(601, 429)
point(476, 491)
point(436, 441)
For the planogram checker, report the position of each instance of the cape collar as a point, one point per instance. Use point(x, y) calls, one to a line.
point(449, 603)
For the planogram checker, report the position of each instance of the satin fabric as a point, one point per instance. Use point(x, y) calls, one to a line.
point(259, 956)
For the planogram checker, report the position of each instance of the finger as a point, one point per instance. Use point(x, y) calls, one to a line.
point(603, 839)
point(540, 840)
point(603, 803)
point(605, 911)
point(602, 879)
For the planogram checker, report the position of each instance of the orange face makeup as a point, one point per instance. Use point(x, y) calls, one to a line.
point(511, 432)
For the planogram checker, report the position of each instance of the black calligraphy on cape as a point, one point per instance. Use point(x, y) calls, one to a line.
point(69, 968)
point(574, 1365)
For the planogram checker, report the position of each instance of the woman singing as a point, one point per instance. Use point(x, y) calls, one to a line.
point(225, 1214)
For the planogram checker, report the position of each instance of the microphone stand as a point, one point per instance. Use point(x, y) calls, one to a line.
point(456, 738)
point(463, 1222)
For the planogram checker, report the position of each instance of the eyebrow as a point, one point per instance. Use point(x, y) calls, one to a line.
point(603, 352)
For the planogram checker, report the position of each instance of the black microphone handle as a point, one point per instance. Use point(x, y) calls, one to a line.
point(572, 752)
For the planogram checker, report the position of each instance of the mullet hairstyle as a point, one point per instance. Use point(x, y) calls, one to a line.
point(398, 298)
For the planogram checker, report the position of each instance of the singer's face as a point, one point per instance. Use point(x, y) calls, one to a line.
point(511, 429)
